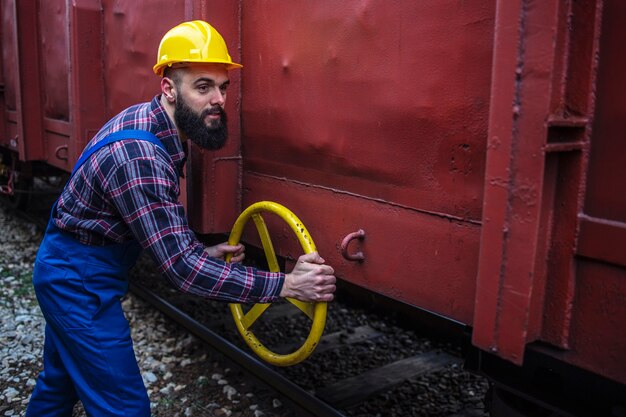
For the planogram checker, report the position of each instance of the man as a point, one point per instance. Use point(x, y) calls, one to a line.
point(123, 197)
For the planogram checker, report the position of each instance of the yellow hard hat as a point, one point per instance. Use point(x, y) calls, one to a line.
point(194, 41)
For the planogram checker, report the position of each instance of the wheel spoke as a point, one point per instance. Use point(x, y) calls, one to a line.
point(266, 242)
point(307, 308)
point(253, 314)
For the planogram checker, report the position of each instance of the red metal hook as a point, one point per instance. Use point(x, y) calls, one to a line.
point(59, 150)
point(357, 256)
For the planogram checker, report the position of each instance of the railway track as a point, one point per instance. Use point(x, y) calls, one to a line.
point(283, 386)
point(365, 364)
point(327, 400)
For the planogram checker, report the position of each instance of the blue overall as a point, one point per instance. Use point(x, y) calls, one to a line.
point(88, 351)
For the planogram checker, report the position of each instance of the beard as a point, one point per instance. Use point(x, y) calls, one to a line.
point(192, 124)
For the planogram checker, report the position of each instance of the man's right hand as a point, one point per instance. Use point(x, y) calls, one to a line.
point(310, 280)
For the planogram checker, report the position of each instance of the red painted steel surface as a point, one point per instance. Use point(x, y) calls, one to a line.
point(8, 77)
point(372, 115)
point(481, 151)
point(544, 57)
point(551, 269)
point(22, 72)
point(519, 182)
point(598, 332)
point(4, 19)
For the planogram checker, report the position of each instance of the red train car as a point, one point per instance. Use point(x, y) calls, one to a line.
point(476, 143)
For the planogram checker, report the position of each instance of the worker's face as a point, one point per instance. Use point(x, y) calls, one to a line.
point(200, 99)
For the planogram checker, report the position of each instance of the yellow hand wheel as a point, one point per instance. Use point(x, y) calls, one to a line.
point(315, 311)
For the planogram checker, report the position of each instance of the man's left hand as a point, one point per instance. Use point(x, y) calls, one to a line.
point(219, 251)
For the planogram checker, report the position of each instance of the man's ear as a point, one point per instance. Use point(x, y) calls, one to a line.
point(168, 88)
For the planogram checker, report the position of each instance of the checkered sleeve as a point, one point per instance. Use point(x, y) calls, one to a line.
point(145, 193)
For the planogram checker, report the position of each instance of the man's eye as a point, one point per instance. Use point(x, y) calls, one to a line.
point(203, 88)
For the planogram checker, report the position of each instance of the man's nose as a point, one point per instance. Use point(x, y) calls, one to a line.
point(218, 97)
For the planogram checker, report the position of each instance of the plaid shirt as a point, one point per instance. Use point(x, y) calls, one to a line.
point(129, 190)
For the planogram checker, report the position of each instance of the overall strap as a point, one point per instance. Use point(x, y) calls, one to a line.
point(117, 136)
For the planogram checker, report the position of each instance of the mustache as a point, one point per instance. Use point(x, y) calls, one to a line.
point(213, 110)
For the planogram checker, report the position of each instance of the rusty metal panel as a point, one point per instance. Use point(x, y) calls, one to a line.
point(9, 54)
point(514, 176)
point(373, 115)
point(3, 122)
point(409, 256)
point(55, 60)
point(86, 78)
point(541, 107)
point(608, 159)
point(132, 32)
point(22, 79)
point(36, 66)
point(29, 82)
point(598, 333)
point(377, 99)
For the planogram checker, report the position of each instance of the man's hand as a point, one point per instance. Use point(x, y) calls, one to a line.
point(310, 280)
point(220, 251)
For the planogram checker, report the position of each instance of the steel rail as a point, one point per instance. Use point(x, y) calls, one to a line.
point(273, 379)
